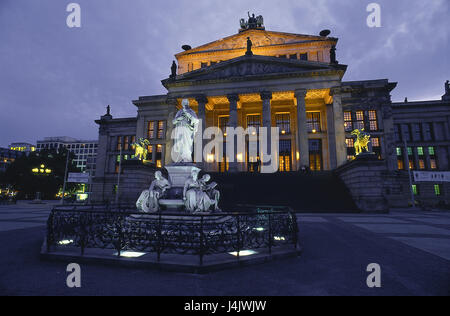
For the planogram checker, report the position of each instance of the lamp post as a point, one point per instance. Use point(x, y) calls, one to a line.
point(65, 178)
point(409, 173)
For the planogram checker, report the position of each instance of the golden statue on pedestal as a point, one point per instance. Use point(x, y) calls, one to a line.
point(361, 142)
point(140, 148)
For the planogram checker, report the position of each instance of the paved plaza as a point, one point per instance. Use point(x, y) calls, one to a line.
point(411, 247)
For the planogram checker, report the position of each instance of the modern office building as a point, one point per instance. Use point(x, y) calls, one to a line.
point(85, 150)
point(25, 147)
point(7, 156)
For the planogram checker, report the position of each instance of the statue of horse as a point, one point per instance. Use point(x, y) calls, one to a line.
point(361, 142)
point(140, 148)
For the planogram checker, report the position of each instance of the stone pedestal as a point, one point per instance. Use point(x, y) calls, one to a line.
point(135, 178)
point(364, 178)
point(179, 173)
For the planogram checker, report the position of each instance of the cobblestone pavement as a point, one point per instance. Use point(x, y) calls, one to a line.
point(412, 248)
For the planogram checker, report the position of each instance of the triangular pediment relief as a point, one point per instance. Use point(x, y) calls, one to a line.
point(245, 66)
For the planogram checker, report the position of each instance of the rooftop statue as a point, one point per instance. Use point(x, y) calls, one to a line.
point(361, 142)
point(185, 127)
point(173, 70)
point(249, 47)
point(252, 22)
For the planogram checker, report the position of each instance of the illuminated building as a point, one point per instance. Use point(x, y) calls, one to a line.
point(290, 81)
point(85, 151)
point(25, 147)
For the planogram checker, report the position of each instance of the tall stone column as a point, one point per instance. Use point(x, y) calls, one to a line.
point(266, 97)
point(233, 122)
point(331, 137)
point(172, 106)
point(339, 130)
point(302, 130)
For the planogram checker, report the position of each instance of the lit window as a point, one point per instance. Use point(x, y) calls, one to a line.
point(375, 142)
point(151, 130)
point(161, 129)
point(373, 124)
point(126, 143)
point(159, 148)
point(254, 120)
point(420, 151)
point(283, 123)
point(359, 123)
point(437, 189)
point(431, 151)
point(410, 151)
point(400, 164)
point(415, 189)
point(421, 164)
point(119, 144)
point(399, 151)
point(158, 163)
point(433, 164)
point(350, 142)
point(313, 122)
point(348, 121)
point(223, 123)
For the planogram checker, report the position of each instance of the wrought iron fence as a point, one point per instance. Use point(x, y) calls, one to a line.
point(162, 233)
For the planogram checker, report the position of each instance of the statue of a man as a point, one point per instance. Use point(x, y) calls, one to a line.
point(185, 127)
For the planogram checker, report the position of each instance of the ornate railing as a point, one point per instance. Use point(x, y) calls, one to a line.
point(162, 233)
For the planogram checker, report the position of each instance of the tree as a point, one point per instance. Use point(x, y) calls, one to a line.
point(41, 171)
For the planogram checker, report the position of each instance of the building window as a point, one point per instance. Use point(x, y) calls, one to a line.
point(427, 131)
point(119, 144)
point(432, 154)
point(417, 133)
point(254, 120)
point(304, 56)
point(373, 122)
point(315, 154)
point(150, 152)
point(359, 122)
point(350, 142)
point(348, 121)
point(283, 123)
point(406, 135)
point(376, 146)
point(151, 130)
point(293, 56)
point(313, 122)
point(126, 142)
point(161, 125)
point(437, 189)
point(203, 65)
point(223, 123)
point(421, 158)
point(410, 158)
point(415, 189)
point(285, 155)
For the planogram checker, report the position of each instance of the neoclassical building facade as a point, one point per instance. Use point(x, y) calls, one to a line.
point(258, 78)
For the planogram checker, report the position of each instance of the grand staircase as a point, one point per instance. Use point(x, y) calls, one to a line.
point(321, 192)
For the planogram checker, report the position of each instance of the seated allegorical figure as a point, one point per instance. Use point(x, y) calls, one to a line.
point(199, 196)
point(148, 202)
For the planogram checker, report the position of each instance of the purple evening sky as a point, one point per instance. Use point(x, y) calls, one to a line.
point(56, 81)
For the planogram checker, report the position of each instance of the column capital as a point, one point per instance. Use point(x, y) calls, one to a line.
point(201, 98)
point(172, 101)
point(234, 97)
point(266, 95)
point(335, 91)
point(300, 93)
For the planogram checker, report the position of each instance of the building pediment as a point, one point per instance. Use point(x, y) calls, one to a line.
point(259, 38)
point(254, 66)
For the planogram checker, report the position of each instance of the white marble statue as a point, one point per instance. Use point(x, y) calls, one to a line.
point(148, 201)
point(185, 127)
point(199, 196)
